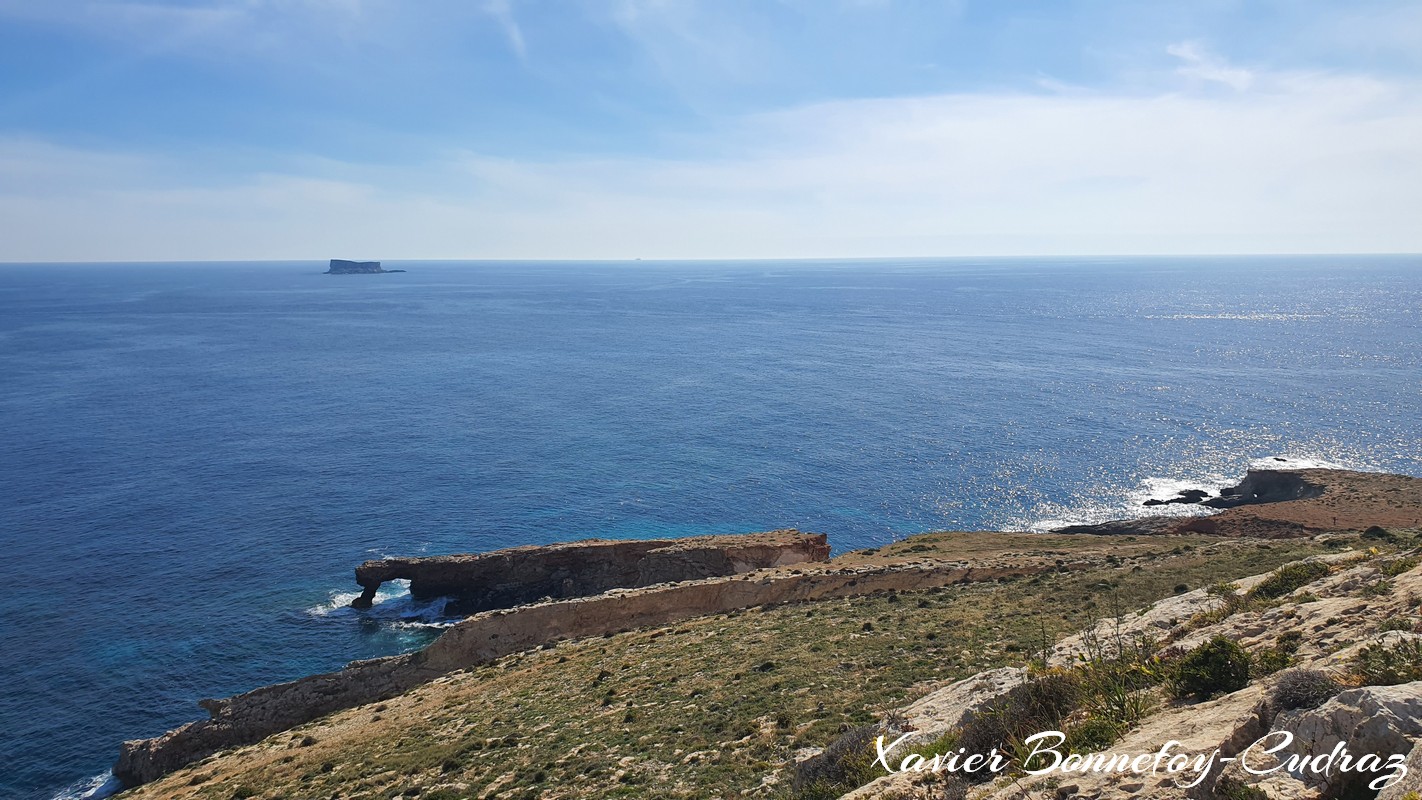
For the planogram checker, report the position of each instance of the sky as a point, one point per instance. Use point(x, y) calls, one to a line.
point(670, 129)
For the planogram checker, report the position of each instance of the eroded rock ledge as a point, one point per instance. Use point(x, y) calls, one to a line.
point(519, 575)
point(250, 717)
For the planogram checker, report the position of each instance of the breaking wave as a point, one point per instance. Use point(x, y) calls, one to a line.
point(94, 788)
point(394, 606)
point(1105, 503)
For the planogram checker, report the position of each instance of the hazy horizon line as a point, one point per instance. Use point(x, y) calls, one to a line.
point(732, 260)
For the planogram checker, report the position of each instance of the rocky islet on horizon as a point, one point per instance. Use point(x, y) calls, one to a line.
point(341, 266)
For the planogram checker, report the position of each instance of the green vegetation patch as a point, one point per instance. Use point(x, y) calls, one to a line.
point(1219, 666)
point(1288, 578)
point(1389, 664)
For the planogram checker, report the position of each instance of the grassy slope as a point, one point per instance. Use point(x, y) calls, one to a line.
point(713, 706)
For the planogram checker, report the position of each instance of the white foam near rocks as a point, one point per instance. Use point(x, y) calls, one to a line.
point(394, 605)
point(93, 788)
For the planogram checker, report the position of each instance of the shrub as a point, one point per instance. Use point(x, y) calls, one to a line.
point(1304, 688)
point(1379, 588)
point(1092, 735)
point(1268, 661)
point(1289, 577)
point(1381, 534)
point(846, 764)
point(1397, 566)
point(1219, 666)
point(1230, 603)
point(1272, 659)
point(1232, 788)
point(1396, 624)
point(1037, 705)
point(1389, 664)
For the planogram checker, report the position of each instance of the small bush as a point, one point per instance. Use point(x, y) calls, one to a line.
point(1230, 603)
point(1379, 588)
point(1092, 735)
point(1381, 534)
point(1397, 566)
point(1232, 788)
point(846, 764)
point(1219, 666)
point(1268, 661)
point(1304, 688)
point(1397, 624)
point(944, 743)
point(1389, 664)
point(1040, 704)
point(1272, 659)
point(1287, 578)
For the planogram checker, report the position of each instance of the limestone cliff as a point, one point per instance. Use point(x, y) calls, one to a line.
point(518, 575)
point(1339, 609)
point(664, 580)
point(250, 717)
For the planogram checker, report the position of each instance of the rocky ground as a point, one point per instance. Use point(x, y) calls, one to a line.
point(1354, 603)
point(752, 702)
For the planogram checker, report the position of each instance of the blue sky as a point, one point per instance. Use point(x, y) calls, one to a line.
point(225, 129)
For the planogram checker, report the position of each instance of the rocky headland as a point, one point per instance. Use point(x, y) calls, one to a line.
point(1286, 503)
point(519, 575)
point(754, 666)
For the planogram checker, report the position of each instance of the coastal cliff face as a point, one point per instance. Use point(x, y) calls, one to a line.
point(485, 637)
point(518, 575)
point(250, 717)
point(698, 707)
point(695, 686)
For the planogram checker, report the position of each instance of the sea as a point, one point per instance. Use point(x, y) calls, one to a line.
point(195, 456)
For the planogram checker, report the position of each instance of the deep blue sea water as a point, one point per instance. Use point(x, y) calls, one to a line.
point(195, 456)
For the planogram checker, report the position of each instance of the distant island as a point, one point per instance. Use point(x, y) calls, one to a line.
point(340, 266)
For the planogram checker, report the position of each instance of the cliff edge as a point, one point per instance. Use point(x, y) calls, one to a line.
point(519, 575)
point(757, 684)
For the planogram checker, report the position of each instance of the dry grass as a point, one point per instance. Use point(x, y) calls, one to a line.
point(717, 705)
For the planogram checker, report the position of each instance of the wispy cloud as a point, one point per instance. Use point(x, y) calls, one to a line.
point(1178, 149)
point(1300, 161)
point(502, 11)
point(1200, 63)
